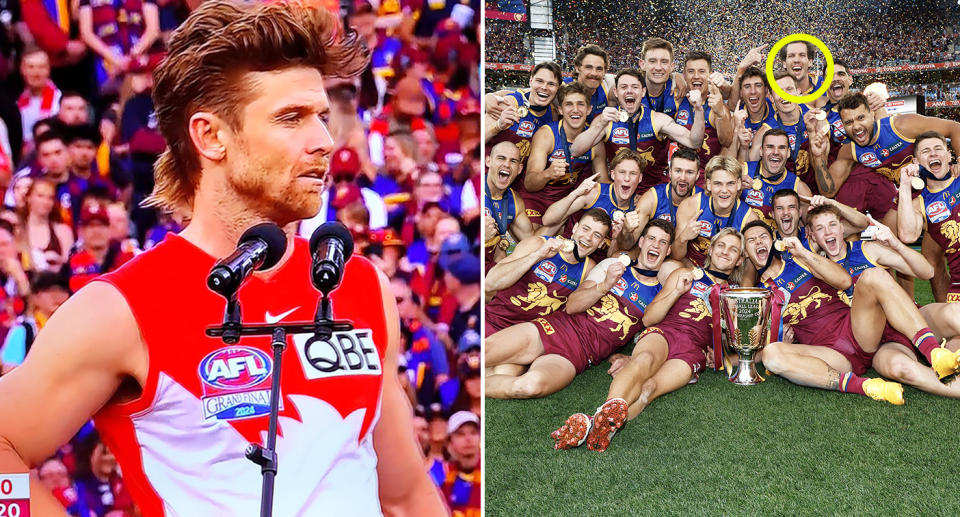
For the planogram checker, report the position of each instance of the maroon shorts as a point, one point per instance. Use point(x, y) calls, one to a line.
point(575, 338)
point(840, 338)
point(892, 335)
point(868, 191)
point(683, 346)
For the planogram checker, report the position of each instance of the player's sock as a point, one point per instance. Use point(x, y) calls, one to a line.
point(852, 383)
point(925, 342)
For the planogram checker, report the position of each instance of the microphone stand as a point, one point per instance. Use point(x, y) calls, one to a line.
point(230, 332)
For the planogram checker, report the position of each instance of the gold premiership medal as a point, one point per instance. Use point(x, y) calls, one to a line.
point(917, 183)
point(757, 184)
point(504, 243)
point(697, 273)
point(624, 115)
point(618, 216)
point(625, 260)
point(821, 115)
point(522, 111)
point(778, 245)
point(568, 246)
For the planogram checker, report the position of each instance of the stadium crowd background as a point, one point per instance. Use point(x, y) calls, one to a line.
point(865, 33)
point(77, 142)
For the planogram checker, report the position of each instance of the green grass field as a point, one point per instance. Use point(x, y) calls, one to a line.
point(720, 449)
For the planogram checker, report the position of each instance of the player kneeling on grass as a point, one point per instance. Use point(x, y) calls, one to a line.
point(600, 316)
point(667, 355)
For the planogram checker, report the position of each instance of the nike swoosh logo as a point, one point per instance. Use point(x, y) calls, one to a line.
point(273, 319)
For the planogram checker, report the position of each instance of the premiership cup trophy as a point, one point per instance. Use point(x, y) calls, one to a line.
point(746, 326)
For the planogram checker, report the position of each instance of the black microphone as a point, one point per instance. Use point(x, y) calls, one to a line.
point(331, 246)
point(260, 247)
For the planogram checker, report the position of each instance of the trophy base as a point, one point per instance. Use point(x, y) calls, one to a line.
point(745, 373)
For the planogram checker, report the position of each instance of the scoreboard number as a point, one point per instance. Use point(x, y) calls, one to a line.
point(14, 495)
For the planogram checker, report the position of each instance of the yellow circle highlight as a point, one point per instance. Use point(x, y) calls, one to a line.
point(827, 76)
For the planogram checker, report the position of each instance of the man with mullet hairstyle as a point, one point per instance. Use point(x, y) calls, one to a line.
point(241, 103)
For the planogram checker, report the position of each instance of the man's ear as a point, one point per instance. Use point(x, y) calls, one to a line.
point(207, 135)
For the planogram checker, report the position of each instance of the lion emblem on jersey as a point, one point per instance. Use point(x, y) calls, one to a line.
point(892, 173)
point(951, 230)
point(524, 147)
point(538, 296)
point(844, 298)
point(797, 311)
point(803, 161)
point(610, 311)
point(696, 311)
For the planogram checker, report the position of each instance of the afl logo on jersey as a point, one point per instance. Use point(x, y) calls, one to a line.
point(706, 229)
point(937, 212)
point(525, 129)
point(620, 287)
point(683, 116)
point(666, 217)
point(838, 131)
point(346, 353)
point(620, 136)
point(558, 154)
point(546, 271)
point(754, 198)
point(870, 160)
point(236, 383)
point(698, 288)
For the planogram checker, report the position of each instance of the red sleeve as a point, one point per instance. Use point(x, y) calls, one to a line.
point(48, 34)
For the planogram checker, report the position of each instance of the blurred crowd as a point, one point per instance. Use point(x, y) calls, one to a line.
point(78, 140)
point(881, 34)
point(930, 92)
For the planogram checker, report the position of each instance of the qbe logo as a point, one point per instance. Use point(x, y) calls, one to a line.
point(345, 353)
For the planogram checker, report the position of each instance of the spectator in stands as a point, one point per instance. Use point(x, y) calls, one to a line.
point(74, 109)
point(427, 364)
point(96, 253)
point(48, 291)
point(344, 166)
point(120, 230)
point(41, 97)
point(99, 481)
point(462, 280)
point(117, 35)
point(395, 181)
point(460, 479)
point(345, 126)
point(468, 371)
point(387, 255)
point(55, 476)
point(46, 240)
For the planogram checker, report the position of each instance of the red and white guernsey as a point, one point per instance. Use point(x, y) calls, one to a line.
point(181, 444)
